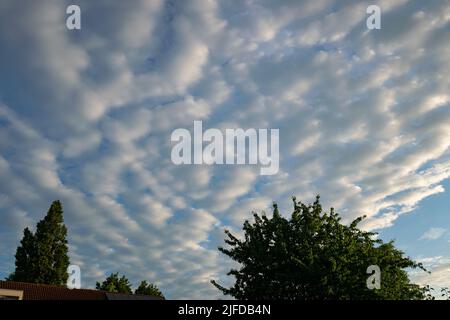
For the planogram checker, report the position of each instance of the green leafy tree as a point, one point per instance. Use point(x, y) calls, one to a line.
point(313, 255)
point(149, 289)
point(43, 257)
point(114, 283)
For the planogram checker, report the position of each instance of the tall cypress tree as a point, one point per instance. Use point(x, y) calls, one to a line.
point(43, 257)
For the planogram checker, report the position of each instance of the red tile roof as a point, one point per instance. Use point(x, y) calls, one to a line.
point(34, 291)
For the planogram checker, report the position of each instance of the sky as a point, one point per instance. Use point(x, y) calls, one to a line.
point(86, 117)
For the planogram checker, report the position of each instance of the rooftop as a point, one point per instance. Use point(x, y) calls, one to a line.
point(33, 291)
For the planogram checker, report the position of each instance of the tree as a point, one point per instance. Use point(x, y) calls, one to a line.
point(114, 283)
point(148, 289)
point(43, 257)
point(25, 259)
point(313, 255)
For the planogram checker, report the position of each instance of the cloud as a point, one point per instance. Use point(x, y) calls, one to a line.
point(433, 234)
point(439, 267)
point(86, 117)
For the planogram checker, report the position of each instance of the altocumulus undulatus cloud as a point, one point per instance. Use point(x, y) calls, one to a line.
point(86, 117)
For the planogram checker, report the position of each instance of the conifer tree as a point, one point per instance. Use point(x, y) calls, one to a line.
point(25, 258)
point(43, 257)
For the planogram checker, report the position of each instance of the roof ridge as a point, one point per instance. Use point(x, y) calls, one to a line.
point(47, 285)
point(20, 285)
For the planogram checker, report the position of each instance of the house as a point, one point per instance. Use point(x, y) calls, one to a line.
point(10, 290)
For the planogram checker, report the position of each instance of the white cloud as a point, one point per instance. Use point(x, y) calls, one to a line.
point(439, 268)
point(433, 234)
point(86, 118)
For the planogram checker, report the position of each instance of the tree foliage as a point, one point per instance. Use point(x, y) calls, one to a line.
point(114, 283)
point(313, 255)
point(120, 284)
point(43, 257)
point(148, 289)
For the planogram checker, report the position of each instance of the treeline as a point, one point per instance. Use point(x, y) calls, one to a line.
point(42, 257)
point(310, 255)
